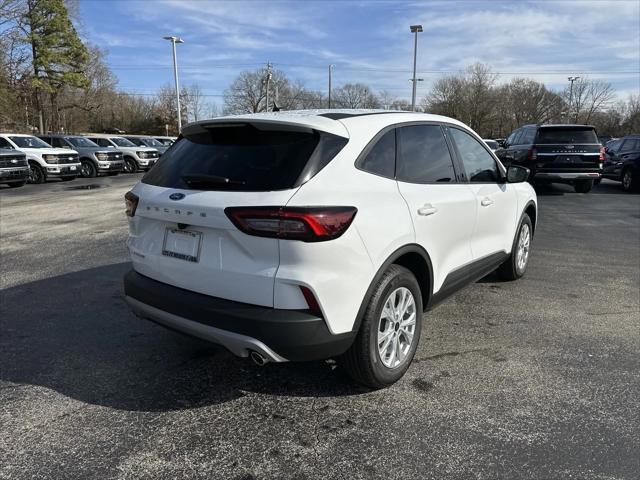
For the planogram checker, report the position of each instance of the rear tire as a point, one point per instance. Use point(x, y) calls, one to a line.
point(630, 181)
point(36, 174)
point(516, 265)
point(390, 331)
point(583, 186)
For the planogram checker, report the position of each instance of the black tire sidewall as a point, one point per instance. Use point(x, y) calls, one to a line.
point(92, 170)
point(404, 278)
point(38, 174)
point(130, 162)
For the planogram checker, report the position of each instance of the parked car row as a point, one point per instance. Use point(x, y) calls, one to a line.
point(571, 154)
point(37, 159)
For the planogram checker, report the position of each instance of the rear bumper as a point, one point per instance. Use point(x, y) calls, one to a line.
point(565, 176)
point(280, 335)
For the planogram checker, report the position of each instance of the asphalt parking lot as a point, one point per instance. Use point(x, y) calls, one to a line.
point(535, 379)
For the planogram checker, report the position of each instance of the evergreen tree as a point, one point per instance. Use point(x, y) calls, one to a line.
point(59, 57)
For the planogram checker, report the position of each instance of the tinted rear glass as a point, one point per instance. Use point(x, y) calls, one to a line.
point(249, 158)
point(567, 135)
point(381, 159)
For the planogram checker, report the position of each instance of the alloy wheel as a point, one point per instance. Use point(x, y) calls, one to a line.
point(627, 179)
point(524, 241)
point(396, 327)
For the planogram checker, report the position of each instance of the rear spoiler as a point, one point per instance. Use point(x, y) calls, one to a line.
point(271, 121)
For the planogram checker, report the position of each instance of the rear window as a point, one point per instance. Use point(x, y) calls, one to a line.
point(244, 158)
point(567, 135)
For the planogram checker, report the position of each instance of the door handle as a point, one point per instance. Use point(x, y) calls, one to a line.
point(486, 201)
point(427, 210)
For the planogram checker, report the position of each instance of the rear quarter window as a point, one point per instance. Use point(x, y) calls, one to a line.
point(244, 158)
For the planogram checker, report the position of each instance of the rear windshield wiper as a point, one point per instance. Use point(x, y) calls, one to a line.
point(203, 181)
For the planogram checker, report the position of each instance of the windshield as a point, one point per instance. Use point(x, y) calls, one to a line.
point(244, 158)
point(567, 135)
point(82, 142)
point(122, 142)
point(152, 142)
point(29, 142)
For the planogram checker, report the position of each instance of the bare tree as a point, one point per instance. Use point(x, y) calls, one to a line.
point(355, 95)
point(588, 96)
point(196, 102)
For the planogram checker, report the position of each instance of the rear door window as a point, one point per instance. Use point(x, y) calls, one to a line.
point(423, 155)
point(244, 158)
point(568, 135)
point(630, 145)
point(381, 159)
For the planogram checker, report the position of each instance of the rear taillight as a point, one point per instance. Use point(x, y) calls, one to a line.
point(532, 155)
point(309, 224)
point(131, 203)
point(310, 298)
point(602, 150)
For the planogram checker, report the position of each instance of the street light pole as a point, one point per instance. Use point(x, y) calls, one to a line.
point(269, 75)
point(415, 29)
point(175, 40)
point(330, 71)
point(571, 79)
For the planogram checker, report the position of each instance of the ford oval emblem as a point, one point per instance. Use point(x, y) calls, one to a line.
point(176, 196)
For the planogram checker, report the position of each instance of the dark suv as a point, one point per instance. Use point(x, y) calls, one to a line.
point(556, 153)
point(622, 162)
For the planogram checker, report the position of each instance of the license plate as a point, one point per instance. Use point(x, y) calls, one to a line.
point(72, 167)
point(182, 244)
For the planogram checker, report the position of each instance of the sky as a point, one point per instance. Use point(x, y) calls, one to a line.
point(367, 41)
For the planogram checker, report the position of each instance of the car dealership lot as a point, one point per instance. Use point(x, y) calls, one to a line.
point(531, 379)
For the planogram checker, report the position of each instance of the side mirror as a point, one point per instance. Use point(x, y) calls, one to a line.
point(517, 174)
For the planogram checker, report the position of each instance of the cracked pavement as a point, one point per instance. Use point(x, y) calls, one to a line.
point(531, 379)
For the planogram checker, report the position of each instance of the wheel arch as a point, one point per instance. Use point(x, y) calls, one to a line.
point(414, 258)
point(531, 210)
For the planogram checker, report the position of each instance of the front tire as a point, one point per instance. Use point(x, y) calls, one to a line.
point(390, 331)
point(88, 169)
point(130, 165)
point(583, 186)
point(515, 266)
point(36, 174)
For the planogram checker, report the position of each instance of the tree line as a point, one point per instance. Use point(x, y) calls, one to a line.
point(52, 80)
point(473, 97)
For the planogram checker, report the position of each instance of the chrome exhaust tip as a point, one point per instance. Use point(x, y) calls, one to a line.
point(258, 358)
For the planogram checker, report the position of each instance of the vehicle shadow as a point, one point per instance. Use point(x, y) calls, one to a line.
point(74, 334)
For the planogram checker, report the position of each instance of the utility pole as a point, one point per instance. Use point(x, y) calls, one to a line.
point(571, 79)
point(268, 81)
point(330, 71)
point(415, 29)
point(175, 40)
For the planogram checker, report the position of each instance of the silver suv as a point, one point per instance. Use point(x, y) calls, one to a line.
point(135, 157)
point(93, 158)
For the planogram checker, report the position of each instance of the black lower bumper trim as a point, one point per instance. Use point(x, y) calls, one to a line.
point(296, 335)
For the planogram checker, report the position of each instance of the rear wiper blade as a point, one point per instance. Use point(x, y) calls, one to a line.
point(209, 180)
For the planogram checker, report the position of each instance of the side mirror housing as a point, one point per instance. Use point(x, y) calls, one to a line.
point(517, 174)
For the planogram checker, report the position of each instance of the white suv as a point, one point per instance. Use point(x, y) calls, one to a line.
point(44, 160)
point(307, 235)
